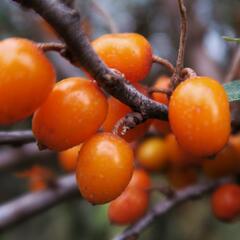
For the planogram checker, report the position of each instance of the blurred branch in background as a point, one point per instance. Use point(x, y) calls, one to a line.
point(28, 154)
point(16, 137)
point(164, 206)
point(31, 204)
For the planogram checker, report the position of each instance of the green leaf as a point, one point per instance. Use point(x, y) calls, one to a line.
point(230, 39)
point(233, 90)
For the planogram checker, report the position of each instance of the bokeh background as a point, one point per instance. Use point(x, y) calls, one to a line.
point(157, 20)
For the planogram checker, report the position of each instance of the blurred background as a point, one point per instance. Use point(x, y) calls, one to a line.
point(158, 21)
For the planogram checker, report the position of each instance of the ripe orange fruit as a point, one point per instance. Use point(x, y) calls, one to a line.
point(73, 112)
point(128, 207)
point(68, 158)
point(140, 179)
point(117, 110)
point(226, 202)
point(129, 53)
point(225, 163)
point(199, 116)
point(104, 168)
point(163, 83)
point(177, 157)
point(152, 154)
point(234, 141)
point(27, 77)
point(182, 177)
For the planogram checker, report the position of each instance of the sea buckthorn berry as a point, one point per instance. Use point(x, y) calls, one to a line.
point(226, 202)
point(140, 179)
point(27, 77)
point(199, 116)
point(131, 205)
point(104, 168)
point(177, 157)
point(73, 112)
point(182, 177)
point(129, 53)
point(152, 154)
point(68, 158)
point(234, 141)
point(225, 163)
point(163, 83)
point(162, 127)
point(116, 111)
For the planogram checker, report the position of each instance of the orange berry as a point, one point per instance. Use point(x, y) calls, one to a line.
point(68, 158)
point(140, 179)
point(225, 202)
point(199, 116)
point(181, 178)
point(162, 83)
point(131, 205)
point(27, 77)
point(234, 141)
point(177, 157)
point(129, 53)
point(162, 127)
point(73, 112)
point(116, 111)
point(104, 168)
point(225, 163)
point(152, 154)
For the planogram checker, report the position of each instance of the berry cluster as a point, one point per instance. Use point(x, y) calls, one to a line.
point(75, 118)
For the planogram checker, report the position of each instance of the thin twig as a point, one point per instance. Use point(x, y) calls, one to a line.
point(176, 78)
point(168, 92)
point(16, 137)
point(234, 67)
point(161, 208)
point(105, 14)
point(188, 73)
point(130, 121)
point(31, 204)
point(164, 62)
point(12, 159)
point(51, 46)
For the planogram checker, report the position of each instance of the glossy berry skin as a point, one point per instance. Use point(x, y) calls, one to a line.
point(140, 179)
point(129, 53)
point(199, 116)
point(225, 202)
point(182, 177)
point(131, 205)
point(104, 168)
point(152, 154)
point(68, 158)
point(73, 112)
point(224, 164)
point(26, 79)
point(117, 110)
